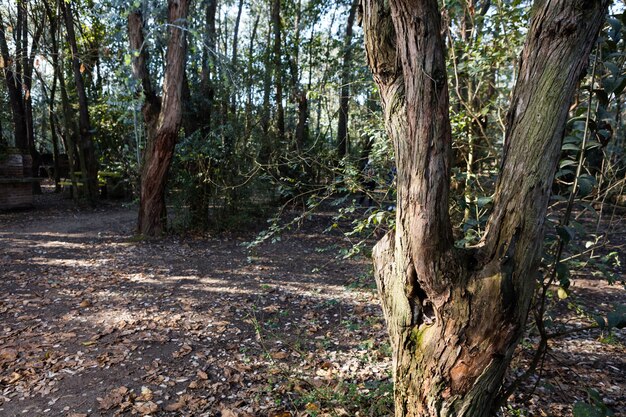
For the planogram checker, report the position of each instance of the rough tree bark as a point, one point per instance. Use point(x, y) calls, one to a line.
point(152, 102)
point(158, 158)
point(455, 316)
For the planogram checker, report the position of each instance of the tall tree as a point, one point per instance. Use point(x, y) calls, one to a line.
point(344, 95)
point(14, 88)
point(158, 158)
point(278, 69)
point(87, 155)
point(454, 315)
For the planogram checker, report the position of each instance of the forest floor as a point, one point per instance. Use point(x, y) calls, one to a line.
point(94, 322)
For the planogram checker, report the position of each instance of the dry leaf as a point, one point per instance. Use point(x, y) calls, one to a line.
point(146, 408)
point(279, 355)
point(175, 406)
point(114, 398)
point(14, 378)
point(229, 413)
point(8, 354)
point(146, 394)
point(183, 351)
point(280, 414)
point(202, 375)
point(312, 407)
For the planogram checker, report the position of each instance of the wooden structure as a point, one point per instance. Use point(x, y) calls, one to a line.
point(16, 181)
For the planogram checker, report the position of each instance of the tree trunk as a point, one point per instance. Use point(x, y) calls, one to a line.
point(267, 146)
point(299, 94)
point(278, 70)
point(455, 316)
point(87, 156)
point(152, 102)
point(14, 89)
point(59, 73)
point(249, 79)
point(208, 64)
point(28, 60)
point(344, 98)
point(152, 214)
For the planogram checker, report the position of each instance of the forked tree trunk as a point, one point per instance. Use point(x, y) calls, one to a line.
point(158, 158)
point(455, 316)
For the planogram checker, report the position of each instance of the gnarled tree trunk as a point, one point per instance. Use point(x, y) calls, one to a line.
point(158, 157)
point(455, 316)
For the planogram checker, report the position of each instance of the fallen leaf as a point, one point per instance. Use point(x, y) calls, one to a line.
point(14, 378)
point(175, 406)
point(229, 413)
point(279, 355)
point(183, 351)
point(8, 354)
point(312, 407)
point(146, 408)
point(114, 398)
point(146, 394)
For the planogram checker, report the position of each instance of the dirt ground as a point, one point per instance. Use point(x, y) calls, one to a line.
point(94, 322)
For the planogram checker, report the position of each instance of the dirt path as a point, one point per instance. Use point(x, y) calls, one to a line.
point(96, 323)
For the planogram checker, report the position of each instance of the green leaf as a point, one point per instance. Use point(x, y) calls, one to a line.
point(601, 322)
point(567, 163)
point(483, 201)
point(562, 273)
point(566, 233)
point(616, 319)
point(570, 147)
point(585, 185)
point(620, 88)
point(582, 409)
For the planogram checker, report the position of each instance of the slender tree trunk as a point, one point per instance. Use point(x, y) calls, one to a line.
point(267, 144)
point(278, 70)
point(344, 97)
point(455, 316)
point(68, 120)
point(152, 212)
point(250, 78)
point(55, 137)
point(28, 60)
point(208, 63)
point(14, 89)
point(299, 93)
point(68, 135)
point(87, 156)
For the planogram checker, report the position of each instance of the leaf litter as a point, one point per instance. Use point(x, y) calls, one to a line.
point(96, 323)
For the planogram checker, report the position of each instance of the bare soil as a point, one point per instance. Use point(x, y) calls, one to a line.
point(94, 322)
